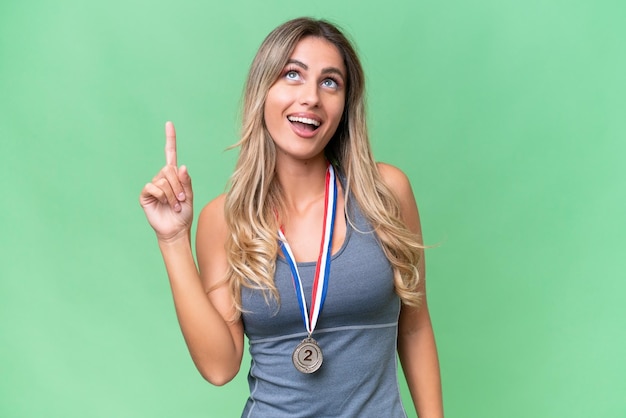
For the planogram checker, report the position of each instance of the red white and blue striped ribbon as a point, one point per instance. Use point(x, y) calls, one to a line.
point(322, 270)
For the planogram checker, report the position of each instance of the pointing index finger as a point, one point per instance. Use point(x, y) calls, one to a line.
point(170, 144)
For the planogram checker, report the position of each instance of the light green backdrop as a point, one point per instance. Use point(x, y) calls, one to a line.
point(508, 116)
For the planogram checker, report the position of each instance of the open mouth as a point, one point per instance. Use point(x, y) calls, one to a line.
point(305, 124)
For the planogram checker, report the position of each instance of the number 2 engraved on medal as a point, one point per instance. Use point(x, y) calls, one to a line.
point(307, 357)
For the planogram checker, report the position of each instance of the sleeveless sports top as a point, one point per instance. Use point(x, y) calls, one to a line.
point(356, 330)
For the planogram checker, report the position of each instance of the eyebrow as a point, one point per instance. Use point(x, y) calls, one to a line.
point(327, 70)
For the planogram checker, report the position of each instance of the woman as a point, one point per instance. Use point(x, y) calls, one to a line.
point(308, 210)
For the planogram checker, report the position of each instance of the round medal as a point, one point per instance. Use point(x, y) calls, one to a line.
point(307, 357)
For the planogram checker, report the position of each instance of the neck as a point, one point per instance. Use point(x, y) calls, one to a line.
point(302, 182)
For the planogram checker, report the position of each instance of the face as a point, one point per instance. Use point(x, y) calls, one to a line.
point(304, 106)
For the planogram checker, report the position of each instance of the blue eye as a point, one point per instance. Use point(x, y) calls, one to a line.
point(330, 83)
point(292, 75)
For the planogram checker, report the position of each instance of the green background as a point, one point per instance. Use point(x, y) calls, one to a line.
point(508, 116)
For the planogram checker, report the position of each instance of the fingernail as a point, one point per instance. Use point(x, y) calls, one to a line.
point(181, 196)
point(177, 207)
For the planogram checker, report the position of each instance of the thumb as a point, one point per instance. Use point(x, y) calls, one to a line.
point(185, 180)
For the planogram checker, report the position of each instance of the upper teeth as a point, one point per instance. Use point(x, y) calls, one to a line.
point(303, 120)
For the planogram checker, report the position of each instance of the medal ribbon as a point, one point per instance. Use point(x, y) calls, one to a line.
point(322, 270)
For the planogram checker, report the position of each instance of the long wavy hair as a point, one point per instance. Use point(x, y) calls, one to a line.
point(255, 196)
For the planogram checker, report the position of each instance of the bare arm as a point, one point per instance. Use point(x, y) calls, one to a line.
point(215, 346)
point(416, 340)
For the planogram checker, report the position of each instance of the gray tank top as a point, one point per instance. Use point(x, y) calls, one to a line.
point(356, 330)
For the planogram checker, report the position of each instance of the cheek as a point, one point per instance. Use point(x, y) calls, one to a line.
point(337, 110)
point(269, 112)
point(274, 104)
point(277, 96)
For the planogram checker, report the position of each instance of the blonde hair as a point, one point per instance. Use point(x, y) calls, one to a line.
point(255, 194)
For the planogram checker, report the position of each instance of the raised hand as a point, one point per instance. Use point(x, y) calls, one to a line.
point(168, 199)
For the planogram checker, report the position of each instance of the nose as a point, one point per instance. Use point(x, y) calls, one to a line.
point(309, 94)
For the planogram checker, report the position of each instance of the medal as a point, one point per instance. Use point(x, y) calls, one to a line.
point(307, 357)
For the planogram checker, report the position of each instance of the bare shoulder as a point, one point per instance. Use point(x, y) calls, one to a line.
point(213, 213)
point(396, 180)
point(400, 186)
point(211, 239)
point(212, 222)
